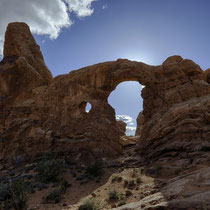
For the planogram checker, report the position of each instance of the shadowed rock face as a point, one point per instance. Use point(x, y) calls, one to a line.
point(38, 112)
point(23, 67)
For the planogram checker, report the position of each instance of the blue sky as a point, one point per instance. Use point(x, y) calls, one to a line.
point(145, 30)
point(142, 30)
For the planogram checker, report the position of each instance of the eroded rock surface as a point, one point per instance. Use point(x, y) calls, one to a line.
point(170, 151)
point(39, 112)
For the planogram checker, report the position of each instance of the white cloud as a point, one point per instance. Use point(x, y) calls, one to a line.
point(124, 118)
point(130, 130)
point(45, 17)
point(81, 7)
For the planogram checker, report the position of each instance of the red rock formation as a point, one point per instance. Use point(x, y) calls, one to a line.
point(122, 127)
point(23, 67)
point(140, 123)
point(38, 112)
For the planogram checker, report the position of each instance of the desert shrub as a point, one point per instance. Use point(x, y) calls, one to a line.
point(7, 204)
point(114, 178)
point(4, 191)
point(64, 186)
point(50, 170)
point(205, 149)
point(54, 196)
point(131, 184)
point(19, 191)
point(156, 171)
point(95, 169)
point(114, 195)
point(89, 204)
point(14, 195)
point(50, 156)
point(138, 180)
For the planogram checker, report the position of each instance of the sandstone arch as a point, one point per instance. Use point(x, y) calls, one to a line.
point(173, 92)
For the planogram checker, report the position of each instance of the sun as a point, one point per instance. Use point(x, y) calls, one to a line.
point(140, 57)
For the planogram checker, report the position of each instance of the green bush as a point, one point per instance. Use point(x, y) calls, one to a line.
point(55, 196)
point(4, 192)
point(114, 178)
point(14, 195)
point(19, 191)
point(95, 169)
point(64, 186)
point(156, 170)
point(205, 149)
point(114, 195)
point(131, 184)
point(89, 204)
point(7, 204)
point(50, 170)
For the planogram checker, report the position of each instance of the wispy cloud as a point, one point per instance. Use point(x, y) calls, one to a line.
point(105, 6)
point(124, 118)
point(45, 17)
point(130, 130)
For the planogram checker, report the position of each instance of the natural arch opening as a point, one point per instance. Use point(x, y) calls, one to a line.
point(85, 107)
point(127, 101)
point(88, 107)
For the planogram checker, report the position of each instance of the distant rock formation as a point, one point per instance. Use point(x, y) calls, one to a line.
point(122, 127)
point(38, 112)
point(139, 122)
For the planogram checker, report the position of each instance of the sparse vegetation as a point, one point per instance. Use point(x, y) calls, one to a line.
point(156, 170)
point(4, 191)
point(7, 204)
point(14, 195)
point(64, 186)
point(50, 170)
point(138, 180)
point(134, 173)
point(116, 178)
point(131, 184)
point(95, 169)
point(19, 197)
point(89, 204)
point(114, 195)
point(205, 149)
point(54, 196)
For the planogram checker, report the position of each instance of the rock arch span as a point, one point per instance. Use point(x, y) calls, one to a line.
point(50, 108)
